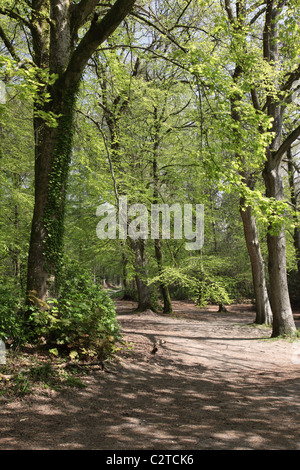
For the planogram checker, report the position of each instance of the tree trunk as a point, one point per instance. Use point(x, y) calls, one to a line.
point(15, 250)
point(55, 26)
point(262, 304)
point(283, 321)
point(163, 287)
point(296, 234)
point(263, 308)
point(296, 237)
point(144, 292)
point(157, 243)
point(53, 148)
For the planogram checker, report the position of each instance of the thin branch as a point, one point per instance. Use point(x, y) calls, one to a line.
point(147, 49)
point(164, 32)
point(292, 77)
point(290, 139)
point(229, 11)
point(106, 148)
point(182, 13)
point(98, 32)
point(15, 16)
point(81, 11)
point(180, 110)
point(183, 165)
point(9, 46)
point(255, 17)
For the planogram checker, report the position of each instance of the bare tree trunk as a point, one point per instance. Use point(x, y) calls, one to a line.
point(262, 304)
point(157, 242)
point(163, 287)
point(283, 321)
point(263, 308)
point(296, 234)
point(15, 250)
point(144, 292)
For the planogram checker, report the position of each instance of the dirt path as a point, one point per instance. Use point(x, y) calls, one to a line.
point(214, 383)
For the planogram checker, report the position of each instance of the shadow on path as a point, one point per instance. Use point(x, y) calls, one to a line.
point(202, 390)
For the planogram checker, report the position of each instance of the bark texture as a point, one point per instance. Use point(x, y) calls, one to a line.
point(54, 26)
point(283, 321)
point(262, 303)
point(144, 292)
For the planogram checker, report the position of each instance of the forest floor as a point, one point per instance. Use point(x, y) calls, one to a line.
point(216, 382)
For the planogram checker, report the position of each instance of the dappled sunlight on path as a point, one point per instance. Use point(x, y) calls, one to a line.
point(215, 382)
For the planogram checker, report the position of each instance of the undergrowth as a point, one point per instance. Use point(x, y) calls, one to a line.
point(25, 374)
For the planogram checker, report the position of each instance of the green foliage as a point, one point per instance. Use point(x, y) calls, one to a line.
point(82, 323)
point(11, 321)
point(199, 286)
point(30, 84)
point(16, 188)
point(21, 385)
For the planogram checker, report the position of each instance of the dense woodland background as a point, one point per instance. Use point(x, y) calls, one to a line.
point(187, 101)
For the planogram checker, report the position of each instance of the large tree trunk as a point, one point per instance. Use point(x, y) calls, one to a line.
point(293, 190)
point(54, 26)
point(283, 321)
point(263, 308)
point(52, 157)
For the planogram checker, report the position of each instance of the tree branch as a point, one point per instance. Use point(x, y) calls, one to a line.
point(99, 31)
point(9, 46)
point(182, 13)
point(229, 11)
point(160, 30)
point(255, 99)
point(292, 77)
point(15, 16)
point(151, 51)
point(81, 12)
point(267, 30)
point(286, 145)
point(257, 15)
point(106, 148)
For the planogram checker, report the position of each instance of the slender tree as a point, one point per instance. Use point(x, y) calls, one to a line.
point(267, 78)
point(283, 322)
point(293, 172)
point(262, 303)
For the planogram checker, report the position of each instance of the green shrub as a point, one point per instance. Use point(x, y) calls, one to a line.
point(11, 320)
point(81, 322)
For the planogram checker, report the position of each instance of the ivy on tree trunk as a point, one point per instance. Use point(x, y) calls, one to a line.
point(54, 26)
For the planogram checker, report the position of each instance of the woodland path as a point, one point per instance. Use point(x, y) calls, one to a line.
point(216, 382)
